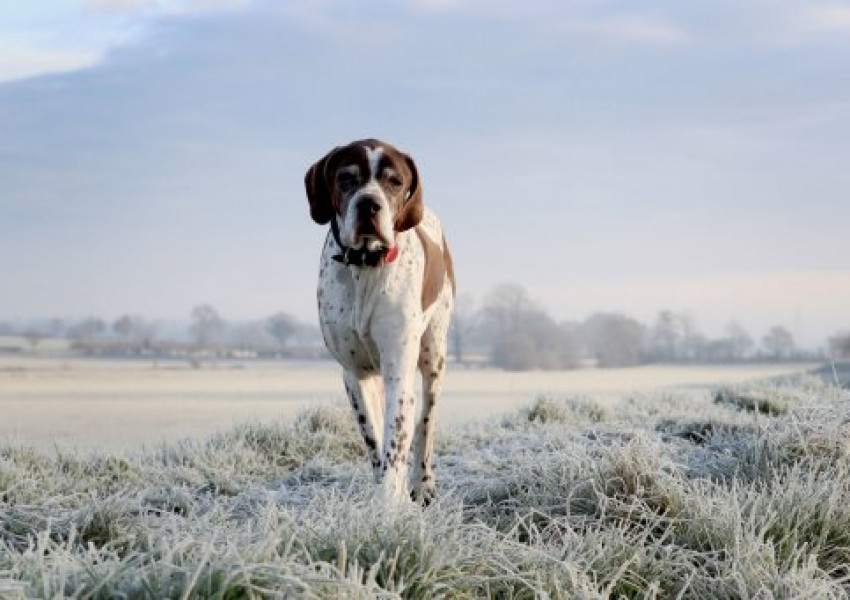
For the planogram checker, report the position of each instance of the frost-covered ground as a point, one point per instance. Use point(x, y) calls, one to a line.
point(660, 495)
point(124, 404)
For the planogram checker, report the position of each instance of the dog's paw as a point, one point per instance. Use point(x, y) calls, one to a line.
point(424, 494)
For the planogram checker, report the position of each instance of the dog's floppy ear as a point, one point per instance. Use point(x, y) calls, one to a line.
point(411, 212)
point(319, 191)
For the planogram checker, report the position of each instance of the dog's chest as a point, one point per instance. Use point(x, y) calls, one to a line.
point(359, 308)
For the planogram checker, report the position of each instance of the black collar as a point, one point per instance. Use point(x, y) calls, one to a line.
point(350, 256)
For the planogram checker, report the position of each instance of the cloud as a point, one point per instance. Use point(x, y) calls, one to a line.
point(19, 62)
point(789, 24)
point(203, 6)
point(631, 29)
point(162, 7)
point(440, 4)
point(613, 26)
point(829, 17)
point(186, 149)
point(36, 43)
point(118, 6)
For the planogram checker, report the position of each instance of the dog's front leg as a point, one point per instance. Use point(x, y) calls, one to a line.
point(398, 370)
point(432, 365)
point(366, 395)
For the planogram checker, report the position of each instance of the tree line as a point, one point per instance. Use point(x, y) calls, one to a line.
point(508, 330)
point(512, 331)
point(207, 333)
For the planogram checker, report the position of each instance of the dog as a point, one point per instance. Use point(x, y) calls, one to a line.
point(385, 296)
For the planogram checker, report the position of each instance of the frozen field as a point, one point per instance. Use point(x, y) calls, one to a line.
point(665, 495)
point(125, 404)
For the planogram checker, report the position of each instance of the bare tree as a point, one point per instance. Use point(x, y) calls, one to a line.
point(839, 344)
point(56, 327)
point(739, 341)
point(719, 351)
point(86, 330)
point(34, 337)
point(123, 326)
point(135, 330)
point(207, 325)
point(462, 328)
point(504, 309)
point(778, 343)
point(251, 336)
point(282, 327)
point(539, 344)
point(522, 336)
point(568, 344)
point(666, 337)
point(614, 339)
point(693, 342)
point(503, 313)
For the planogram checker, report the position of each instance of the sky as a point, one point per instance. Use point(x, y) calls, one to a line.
point(606, 155)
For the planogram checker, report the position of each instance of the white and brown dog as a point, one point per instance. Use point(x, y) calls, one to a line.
point(386, 291)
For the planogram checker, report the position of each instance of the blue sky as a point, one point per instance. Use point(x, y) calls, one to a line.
point(606, 155)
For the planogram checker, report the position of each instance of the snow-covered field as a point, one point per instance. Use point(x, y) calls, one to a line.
point(127, 404)
point(660, 494)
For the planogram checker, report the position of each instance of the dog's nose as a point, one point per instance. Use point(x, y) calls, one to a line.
point(368, 206)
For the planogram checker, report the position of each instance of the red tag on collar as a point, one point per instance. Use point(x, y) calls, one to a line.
point(392, 254)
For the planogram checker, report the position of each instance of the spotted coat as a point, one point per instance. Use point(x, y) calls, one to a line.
point(384, 323)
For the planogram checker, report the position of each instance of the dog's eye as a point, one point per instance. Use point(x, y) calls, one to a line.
point(394, 181)
point(346, 181)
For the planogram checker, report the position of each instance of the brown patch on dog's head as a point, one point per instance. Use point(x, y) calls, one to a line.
point(413, 208)
point(338, 177)
point(319, 190)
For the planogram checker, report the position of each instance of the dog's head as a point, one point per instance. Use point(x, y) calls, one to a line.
point(371, 188)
